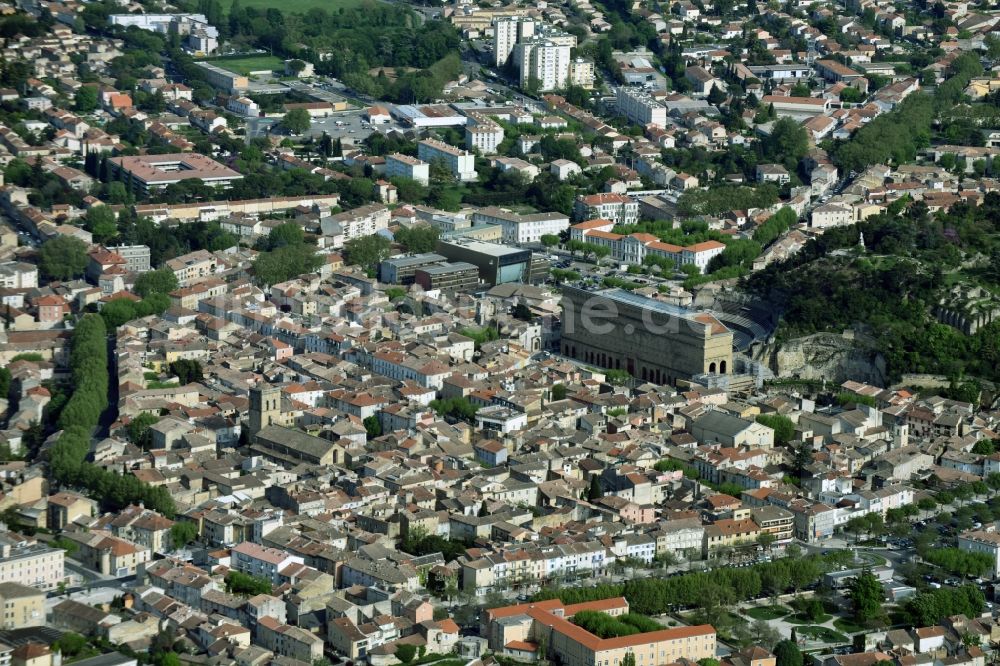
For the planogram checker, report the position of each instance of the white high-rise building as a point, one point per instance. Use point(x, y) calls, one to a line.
point(545, 60)
point(507, 32)
point(640, 107)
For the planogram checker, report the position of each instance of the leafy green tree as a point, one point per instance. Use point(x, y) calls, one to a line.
point(297, 121)
point(85, 99)
point(784, 429)
point(595, 492)
point(984, 447)
point(958, 562)
point(187, 370)
point(418, 239)
point(406, 652)
point(139, 430)
point(367, 251)
point(118, 311)
point(238, 582)
point(373, 427)
point(182, 533)
point(160, 281)
point(866, 595)
point(558, 391)
point(285, 263)
point(4, 383)
point(787, 143)
point(70, 644)
point(787, 653)
point(459, 408)
point(716, 96)
point(993, 481)
point(550, 240)
point(929, 608)
point(284, 235)
point(101, 222)
point(63, 258)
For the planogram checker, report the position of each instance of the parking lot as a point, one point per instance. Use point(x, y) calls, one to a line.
point(342, 125)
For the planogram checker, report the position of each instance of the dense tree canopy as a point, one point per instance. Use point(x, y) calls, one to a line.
point(63, 258)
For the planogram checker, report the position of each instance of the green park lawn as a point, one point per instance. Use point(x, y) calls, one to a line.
point(847, 626)
point(249, 64)
point(798, 618)
point(767, 612)
point(821, 634)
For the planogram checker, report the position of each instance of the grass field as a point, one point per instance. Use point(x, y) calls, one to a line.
point(249, 64)
point(798, 618)
point(847, 626)
point(767, 612)
point(822, 634)
point(296, 6)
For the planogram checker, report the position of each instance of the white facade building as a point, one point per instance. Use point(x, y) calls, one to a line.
point(244, 106)
point(640, 107)
point(982, 542)
point(545, 60)
point(522, 228)
point(831, 215)
point(483, 134)
point(462, 163)
point(404, 166)
point(507, 32)
point(262, 562)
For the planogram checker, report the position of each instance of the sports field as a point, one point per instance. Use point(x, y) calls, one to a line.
point(249, 64)
point(297, 6)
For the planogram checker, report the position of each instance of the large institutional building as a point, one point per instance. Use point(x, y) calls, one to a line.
point(652, 340)
point(145, 173)
point(519, 630)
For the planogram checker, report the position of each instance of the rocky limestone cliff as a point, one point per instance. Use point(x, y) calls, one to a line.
point(835, 357)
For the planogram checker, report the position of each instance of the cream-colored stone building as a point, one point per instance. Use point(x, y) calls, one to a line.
point(519, 631)
point(23, 606)
point(651, 340)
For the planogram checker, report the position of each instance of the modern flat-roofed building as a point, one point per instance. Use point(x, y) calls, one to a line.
point(404, 166)
point(519, 631)
point(497, 264)
point(145, 173)
point(797, 107)
point(223, 78)
point(483, 134)
point(522, 228)
point(831, 70)
point(507, 32)
point(650, 339)
point(461, 163)
point(640, 107)
point(355, 223)
point(400, 270)
point(544, 61)
point(448, 276)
